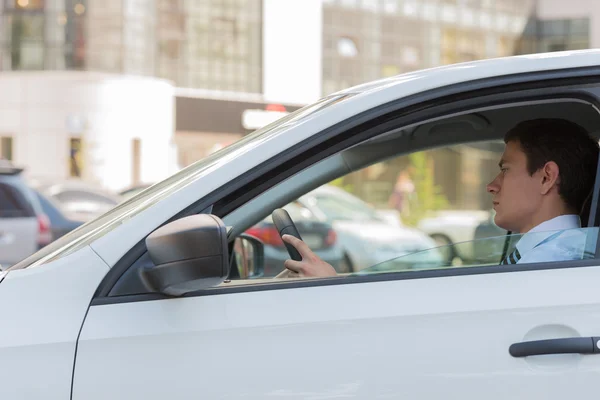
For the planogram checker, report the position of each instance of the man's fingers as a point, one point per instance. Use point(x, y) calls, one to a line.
point(295, 266)
point(302, 247)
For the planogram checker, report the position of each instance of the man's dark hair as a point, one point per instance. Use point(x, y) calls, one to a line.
point(567, 144)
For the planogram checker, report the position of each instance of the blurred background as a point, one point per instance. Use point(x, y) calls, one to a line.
point(101, 98)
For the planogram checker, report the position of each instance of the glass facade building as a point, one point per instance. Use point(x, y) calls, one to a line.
point(365, 40)
point(542, 36)
point(208, 44)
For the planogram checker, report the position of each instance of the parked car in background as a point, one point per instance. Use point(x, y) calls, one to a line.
point(450, 227)
point(79, 199)
point(318, 235)
point(60, 222)
point(366, 235)
point(24, 228)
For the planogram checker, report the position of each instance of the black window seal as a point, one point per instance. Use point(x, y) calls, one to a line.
point(358, 279)
point(371, 123)
point(593, 217)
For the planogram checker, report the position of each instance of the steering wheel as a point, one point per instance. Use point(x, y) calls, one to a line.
point(285, 226)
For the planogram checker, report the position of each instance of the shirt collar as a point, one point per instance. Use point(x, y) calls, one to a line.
point(547, 228)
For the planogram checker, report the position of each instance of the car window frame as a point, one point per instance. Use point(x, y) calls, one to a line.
point(583, 87)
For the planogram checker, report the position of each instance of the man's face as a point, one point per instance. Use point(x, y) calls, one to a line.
point(515, 194)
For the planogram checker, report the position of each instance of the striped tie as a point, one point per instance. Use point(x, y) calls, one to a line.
point(513, 258)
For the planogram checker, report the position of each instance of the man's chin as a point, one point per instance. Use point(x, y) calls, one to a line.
point(500, 223)
point(504, 225)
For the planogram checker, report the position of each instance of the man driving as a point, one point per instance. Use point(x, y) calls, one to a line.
point(547, 172)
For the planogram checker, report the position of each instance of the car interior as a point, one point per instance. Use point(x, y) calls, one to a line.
point(471, 126)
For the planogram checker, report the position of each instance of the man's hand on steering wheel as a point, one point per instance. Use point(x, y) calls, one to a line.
point(311, 265)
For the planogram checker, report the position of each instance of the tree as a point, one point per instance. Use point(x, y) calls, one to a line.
point(428, 196)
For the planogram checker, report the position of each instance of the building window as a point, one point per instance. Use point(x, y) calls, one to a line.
point(6, 148)
point(24, 5)
point(211, 44)
point(406, 35)
point(554, 35)
point(75, 157)
point(136, 161)
point(26, 41)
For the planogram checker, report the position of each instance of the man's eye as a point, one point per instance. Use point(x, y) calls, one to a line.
point(503, 170)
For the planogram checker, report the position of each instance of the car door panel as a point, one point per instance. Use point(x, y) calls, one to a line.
point(426, 338)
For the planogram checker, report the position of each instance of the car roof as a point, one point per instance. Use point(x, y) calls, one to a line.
point(55, 186)
point(431, 78)
point(7, 168)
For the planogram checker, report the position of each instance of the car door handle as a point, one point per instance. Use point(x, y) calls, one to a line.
point(577, 345)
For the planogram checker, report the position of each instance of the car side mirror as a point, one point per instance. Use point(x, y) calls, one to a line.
point(189, 254)
point(248, 257)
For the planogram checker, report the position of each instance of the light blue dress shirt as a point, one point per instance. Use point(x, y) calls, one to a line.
point(537, 245)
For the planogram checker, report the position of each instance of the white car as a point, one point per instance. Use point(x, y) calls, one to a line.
point(449, 227)
point(368, 237)
point(137, 304)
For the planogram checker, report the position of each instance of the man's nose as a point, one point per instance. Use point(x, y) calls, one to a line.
point(493, 187)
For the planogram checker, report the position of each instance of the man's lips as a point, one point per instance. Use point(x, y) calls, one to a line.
point(495, 203)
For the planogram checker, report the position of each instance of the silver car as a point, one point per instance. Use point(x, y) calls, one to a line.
point(24, 228)
point(79, 200)
point(367, 236)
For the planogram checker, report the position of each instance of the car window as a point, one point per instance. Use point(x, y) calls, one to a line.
point(444, 211)
point(13, 204)
point(51, 210)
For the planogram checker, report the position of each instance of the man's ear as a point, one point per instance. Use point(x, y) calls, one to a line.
point(550, 176)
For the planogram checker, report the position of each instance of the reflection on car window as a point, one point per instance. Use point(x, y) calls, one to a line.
point(97, 228)
point(337, 208)
point(574, 244)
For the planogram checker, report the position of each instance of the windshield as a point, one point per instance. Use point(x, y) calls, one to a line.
point(580, 243)
point(99, 227)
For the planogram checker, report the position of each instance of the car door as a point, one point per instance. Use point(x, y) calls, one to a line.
point(439, 333)
point(442, 337)
point(18, 226)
